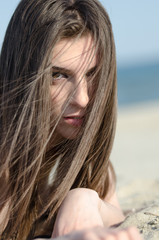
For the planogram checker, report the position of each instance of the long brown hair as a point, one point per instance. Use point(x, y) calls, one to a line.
point(25, 107)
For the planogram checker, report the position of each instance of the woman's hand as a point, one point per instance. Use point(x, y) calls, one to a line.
point(101, 233)
point(79, 210)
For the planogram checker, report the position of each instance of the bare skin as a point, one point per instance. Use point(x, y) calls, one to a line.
point(73, 62)
point(84, 216)
point(101, 233)
point(89, 216)
point(81, 209)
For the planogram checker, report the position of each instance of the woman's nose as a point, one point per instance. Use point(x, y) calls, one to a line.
point(80, 96)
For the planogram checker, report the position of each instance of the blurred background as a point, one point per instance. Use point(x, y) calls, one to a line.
point(136, 150)
point(136, 31)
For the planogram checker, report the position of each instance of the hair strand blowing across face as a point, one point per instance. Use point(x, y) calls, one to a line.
point(25, 106)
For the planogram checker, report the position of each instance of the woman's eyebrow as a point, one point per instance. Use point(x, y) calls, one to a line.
point(69, 72)
point(61, 69)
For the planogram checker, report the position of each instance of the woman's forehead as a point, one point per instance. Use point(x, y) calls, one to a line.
point(75, 53)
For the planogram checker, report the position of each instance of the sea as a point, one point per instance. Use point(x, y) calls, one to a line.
point(138, 83)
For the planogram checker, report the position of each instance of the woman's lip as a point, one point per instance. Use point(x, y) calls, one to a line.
point(74, 120)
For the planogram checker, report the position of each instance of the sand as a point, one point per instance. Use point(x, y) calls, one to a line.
point(135, 157)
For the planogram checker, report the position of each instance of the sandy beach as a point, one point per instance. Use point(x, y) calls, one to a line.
point(136, 149)
point(135, 157)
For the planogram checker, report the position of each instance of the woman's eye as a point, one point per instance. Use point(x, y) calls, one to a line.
point(58, 75)
point(90, 74)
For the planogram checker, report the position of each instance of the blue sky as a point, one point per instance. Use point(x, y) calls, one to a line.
point(135, 24)
point(136, 29)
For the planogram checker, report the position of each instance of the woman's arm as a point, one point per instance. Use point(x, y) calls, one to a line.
point(82, 209)
point(79, 210)
point(110, 210)
point(100, 233)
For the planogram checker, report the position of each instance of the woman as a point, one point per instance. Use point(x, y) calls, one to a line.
point(58, 114)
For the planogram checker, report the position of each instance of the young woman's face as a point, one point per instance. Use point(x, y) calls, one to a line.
point(74, 62)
